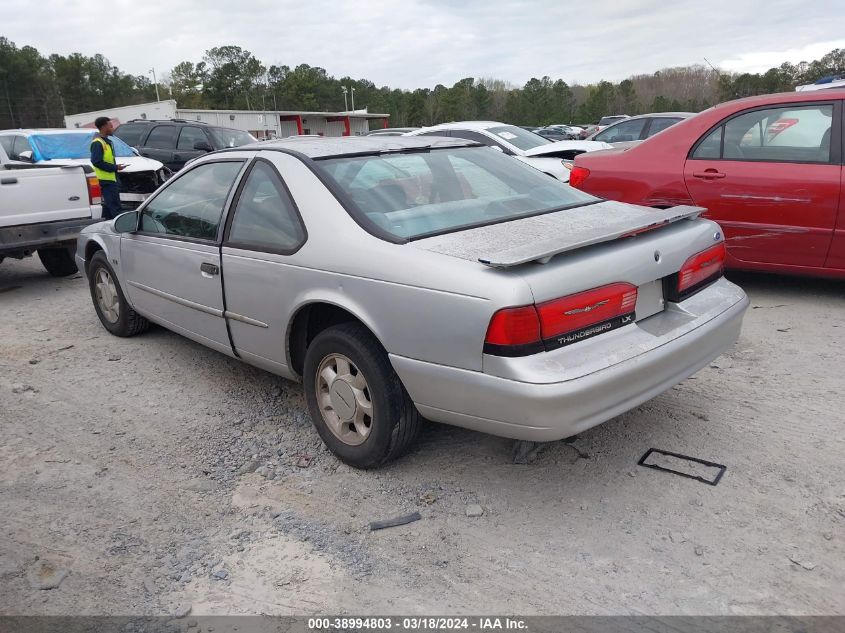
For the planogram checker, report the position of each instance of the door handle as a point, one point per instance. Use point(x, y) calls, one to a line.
point(709, 174)
point(208, 270)
point(9, 181)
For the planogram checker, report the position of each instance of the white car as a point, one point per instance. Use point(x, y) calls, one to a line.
point(552, 157)
point(59, 146)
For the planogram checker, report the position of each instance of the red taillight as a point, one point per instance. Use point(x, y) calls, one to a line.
point(578, 176)
point(546, 326)
point(514, 326)
point(701, 269)
point(95, 194)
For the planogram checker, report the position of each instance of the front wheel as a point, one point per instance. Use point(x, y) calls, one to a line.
point(357, 402)
point(112, 308)
point(59, 262)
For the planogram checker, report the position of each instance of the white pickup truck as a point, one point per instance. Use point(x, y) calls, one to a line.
point(43, 209)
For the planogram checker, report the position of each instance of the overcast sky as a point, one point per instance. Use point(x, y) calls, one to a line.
point(420, 43)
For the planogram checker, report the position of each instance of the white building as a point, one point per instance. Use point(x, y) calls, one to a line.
point(261, 123)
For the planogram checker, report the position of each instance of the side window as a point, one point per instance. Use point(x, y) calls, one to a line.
point(163, 137)
point(191, 205)
point(625, 131)
point(474, 136)
point(265, 216)
point(789, 135)
point(711, 147)
point(130, 133)
point(436, 133)
point(6, 142)
point(658, 125)
point(21, 144)
point(190, 135)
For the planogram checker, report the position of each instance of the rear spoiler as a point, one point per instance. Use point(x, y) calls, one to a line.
point(604, 231)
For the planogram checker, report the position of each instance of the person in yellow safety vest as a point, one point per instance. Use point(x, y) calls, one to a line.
point(105, 167)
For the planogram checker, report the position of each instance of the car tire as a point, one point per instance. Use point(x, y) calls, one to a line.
point(109, 302)
point(59, 262)
point(363, 376)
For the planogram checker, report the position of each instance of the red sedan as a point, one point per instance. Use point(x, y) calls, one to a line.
point(768, 169)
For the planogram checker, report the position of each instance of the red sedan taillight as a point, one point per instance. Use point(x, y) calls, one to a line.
point(578, 176)
point(530, 329)
point(95, 194)
point(697, 272)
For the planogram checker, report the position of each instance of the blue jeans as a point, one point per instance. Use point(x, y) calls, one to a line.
point(111, 199)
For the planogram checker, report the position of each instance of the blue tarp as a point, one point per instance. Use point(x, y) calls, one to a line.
point(72, 145)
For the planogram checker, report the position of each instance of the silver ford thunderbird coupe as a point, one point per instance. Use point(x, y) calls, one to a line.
point(403, 279)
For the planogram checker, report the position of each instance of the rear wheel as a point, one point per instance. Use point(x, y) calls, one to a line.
point(112, 308)
point(59, 262)
point(357, 402)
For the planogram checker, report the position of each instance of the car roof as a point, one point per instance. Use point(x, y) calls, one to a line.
point(653, 115)
point(203, 124)
point(49, 130)
point(829, 94)
point(327, 147)
point(468, 125)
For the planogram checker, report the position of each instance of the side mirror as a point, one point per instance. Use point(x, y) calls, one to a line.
point(203, 146)
point(497, 148)
point(25, 156)
point(126, 222)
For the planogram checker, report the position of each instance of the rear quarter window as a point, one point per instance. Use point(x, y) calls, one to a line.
point(163, 137)
point(130, 133)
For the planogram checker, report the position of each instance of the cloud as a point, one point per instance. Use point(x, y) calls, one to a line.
point(761, 61)
point(420, 43)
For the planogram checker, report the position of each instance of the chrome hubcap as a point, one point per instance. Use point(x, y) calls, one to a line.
point(106, 293)
point(344, 399)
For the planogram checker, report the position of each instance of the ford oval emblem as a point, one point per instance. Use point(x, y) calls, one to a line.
point(717, 236)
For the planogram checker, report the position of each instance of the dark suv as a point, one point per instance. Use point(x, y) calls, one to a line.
point(176, 141)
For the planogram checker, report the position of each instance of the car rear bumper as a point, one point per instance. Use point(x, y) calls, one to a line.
point(30, 237)
point(551, 411)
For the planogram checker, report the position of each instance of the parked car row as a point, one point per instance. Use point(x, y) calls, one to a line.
point(342, 262)
point(58, 146)
point(552, 158)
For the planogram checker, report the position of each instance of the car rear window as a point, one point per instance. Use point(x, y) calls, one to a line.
point(516, 136)
point(417, 194)
point(225, 137)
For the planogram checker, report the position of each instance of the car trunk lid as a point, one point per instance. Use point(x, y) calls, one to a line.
point(566, 149)
point(541, 237)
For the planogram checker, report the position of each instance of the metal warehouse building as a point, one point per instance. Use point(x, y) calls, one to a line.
point(261, 124)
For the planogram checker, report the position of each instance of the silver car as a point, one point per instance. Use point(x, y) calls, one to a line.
point(411, 278)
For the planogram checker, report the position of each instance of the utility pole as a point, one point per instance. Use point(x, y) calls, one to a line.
point(345, 102)
point(155, 81)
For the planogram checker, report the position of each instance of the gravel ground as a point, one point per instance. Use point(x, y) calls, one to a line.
point(152, 475)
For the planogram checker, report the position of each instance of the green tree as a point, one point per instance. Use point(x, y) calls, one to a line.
point(232, 76)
